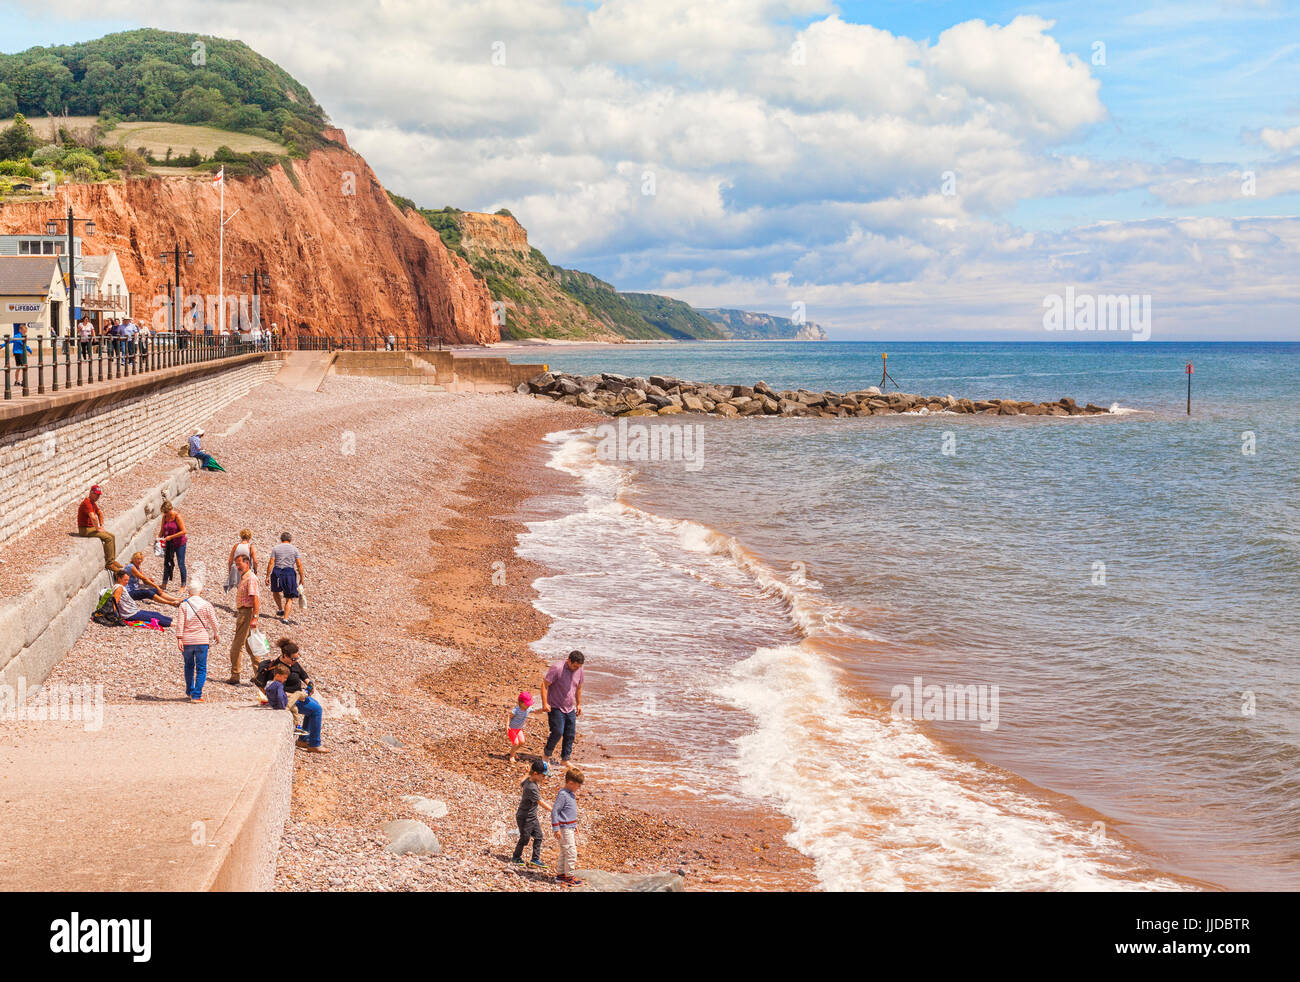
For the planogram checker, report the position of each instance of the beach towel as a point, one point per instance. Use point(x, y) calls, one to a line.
point(212, 465)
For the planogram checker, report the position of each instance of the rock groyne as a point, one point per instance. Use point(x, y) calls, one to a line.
point(660, 395)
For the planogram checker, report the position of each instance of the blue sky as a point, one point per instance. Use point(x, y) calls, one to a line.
point(778, 182)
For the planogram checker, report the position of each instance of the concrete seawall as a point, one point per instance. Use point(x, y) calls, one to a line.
point(52, 448)
point(163, 795)
point(436, 370)
point(38, 627)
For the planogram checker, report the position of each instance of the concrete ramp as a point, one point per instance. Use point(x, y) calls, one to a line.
point(304, 371)
point(163, 796)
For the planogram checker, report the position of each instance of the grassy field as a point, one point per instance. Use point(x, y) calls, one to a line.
point(45, 126)
point(157, 137)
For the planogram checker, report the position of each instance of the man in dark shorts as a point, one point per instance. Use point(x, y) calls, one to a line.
point(284, 573)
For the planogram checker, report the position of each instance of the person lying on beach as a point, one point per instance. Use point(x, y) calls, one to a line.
point(244, 547)
point(128, 609)
point(142, 587)
point(284, 574)
point(530, 827)
point(564, 823)
point(518, 719)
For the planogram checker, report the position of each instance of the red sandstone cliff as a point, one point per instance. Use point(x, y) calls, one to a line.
point(338, 262)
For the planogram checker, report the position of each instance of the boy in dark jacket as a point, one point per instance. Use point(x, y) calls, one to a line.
point(526, 817)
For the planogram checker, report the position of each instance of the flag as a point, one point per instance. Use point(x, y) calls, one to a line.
point(221, 177)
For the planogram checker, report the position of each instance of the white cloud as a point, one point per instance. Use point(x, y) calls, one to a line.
point(1279, 140)
point(791, 150)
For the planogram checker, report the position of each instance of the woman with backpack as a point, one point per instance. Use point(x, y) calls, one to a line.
point(196, 630)
point(128, 609)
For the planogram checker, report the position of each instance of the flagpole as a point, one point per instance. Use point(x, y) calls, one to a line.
point(221, 260)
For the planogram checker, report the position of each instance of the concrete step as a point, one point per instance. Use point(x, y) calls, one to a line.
point(174, 797)
point(304, 371)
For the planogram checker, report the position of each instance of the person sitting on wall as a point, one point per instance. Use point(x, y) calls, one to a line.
point(197, 452)
point(90, 525)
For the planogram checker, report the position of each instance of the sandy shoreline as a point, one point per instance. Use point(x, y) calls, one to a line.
point(395, 499)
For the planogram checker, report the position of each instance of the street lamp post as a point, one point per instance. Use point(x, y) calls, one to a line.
point(175, 254)
point(52, 228)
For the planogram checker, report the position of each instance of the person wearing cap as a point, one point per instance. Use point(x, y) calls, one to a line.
point(90, 525)
point(518, 718)
point(196, 449)
point(530, 827)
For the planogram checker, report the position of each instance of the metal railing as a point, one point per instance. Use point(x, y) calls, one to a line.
point(352, 342)
point(37, 364)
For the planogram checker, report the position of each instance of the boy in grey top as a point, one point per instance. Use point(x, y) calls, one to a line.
point(564, 822)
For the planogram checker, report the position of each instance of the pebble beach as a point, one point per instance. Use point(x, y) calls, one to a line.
point(402, 505)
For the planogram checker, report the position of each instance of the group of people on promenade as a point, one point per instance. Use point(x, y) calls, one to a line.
point(124, 338)
point(195, 621)
point(561, 700)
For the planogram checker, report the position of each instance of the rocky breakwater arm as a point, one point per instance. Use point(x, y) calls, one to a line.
point(658, 395)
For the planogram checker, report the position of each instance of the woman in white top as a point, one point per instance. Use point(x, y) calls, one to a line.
point(244, 547)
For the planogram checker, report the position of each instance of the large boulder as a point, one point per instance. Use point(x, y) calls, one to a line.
point(692, 403)
point(600, 881)
point(669, 410)
point(426, 806)
point(567, 386)
point(409, 838)
point(727, 409)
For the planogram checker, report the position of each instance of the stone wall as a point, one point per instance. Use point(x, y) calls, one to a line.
point(46, 467)
point(38, 627)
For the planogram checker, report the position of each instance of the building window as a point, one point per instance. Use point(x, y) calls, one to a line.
point(24, 248)
point(49, 248)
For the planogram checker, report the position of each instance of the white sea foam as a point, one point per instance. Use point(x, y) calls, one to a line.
point(875, 802)
point(878, 805)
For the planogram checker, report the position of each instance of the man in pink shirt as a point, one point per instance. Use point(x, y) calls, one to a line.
point(196, 629)
point(247, 605)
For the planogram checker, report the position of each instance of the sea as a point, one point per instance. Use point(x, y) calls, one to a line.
point(955, 652)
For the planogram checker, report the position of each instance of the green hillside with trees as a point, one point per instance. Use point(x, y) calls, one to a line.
point(165, 76)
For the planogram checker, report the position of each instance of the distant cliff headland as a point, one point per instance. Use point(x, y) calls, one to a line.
point(130, 128)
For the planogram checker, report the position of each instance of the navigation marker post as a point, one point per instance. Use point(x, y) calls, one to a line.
point(1189, 388)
